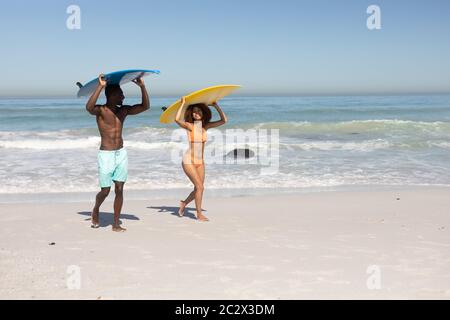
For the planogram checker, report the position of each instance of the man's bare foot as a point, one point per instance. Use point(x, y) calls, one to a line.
point(182, 207)
point(118, 229)
point(95, 219)
point(201, 217)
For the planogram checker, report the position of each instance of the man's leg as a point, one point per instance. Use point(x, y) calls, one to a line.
point(118, 202)
point(101, 196)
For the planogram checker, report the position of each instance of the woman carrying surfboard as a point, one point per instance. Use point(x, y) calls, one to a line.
point(196, 119)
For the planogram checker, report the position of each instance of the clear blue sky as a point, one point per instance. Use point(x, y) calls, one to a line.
point(269, 47)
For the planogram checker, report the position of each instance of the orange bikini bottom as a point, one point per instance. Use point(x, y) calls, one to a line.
point(190, 159)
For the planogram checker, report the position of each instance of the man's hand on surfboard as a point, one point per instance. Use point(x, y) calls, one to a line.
point(139, 82)
point(101, 80)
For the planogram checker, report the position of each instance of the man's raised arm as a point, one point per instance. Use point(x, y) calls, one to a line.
point(145, 104)
point(91, 106)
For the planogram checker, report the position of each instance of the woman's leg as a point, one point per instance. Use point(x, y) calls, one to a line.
point(201, 172)
point(197, 180)
point(190, 197)
point(183, 203)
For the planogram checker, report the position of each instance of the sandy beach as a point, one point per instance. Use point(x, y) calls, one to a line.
point(317, 245)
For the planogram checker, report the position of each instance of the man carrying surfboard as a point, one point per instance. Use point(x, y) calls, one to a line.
point(112, 157)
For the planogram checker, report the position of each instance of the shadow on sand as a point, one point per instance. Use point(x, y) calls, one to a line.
point(189, 212)
point(107, 218)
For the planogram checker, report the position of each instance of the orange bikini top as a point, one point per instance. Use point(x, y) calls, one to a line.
point(192, 135)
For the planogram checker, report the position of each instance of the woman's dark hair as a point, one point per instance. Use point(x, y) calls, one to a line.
point(188, 117)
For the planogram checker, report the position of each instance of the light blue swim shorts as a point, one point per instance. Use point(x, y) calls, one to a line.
point(112, 166)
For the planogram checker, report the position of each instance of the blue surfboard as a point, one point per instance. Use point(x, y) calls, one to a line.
point(118, 77)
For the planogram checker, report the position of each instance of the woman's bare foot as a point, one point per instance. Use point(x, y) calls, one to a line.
point(182, 207)
point(94, 219)
point(201, 217)
point(118, 229)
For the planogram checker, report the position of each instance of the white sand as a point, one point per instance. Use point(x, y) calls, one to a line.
point(280, 247)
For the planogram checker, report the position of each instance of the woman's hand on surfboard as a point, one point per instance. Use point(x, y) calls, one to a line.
point(223, 117)
point(183, 101)
point(139, 82)
point(101, 80)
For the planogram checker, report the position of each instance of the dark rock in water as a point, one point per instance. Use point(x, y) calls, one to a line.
point(354, 132)
point(241, 153)
point(51, 244)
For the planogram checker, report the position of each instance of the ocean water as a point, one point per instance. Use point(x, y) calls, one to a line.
point(50, 145)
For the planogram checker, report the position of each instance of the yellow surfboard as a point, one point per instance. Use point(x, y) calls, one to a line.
point(207, 96)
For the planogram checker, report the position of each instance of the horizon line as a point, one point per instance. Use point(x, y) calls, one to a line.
point(344, 94)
